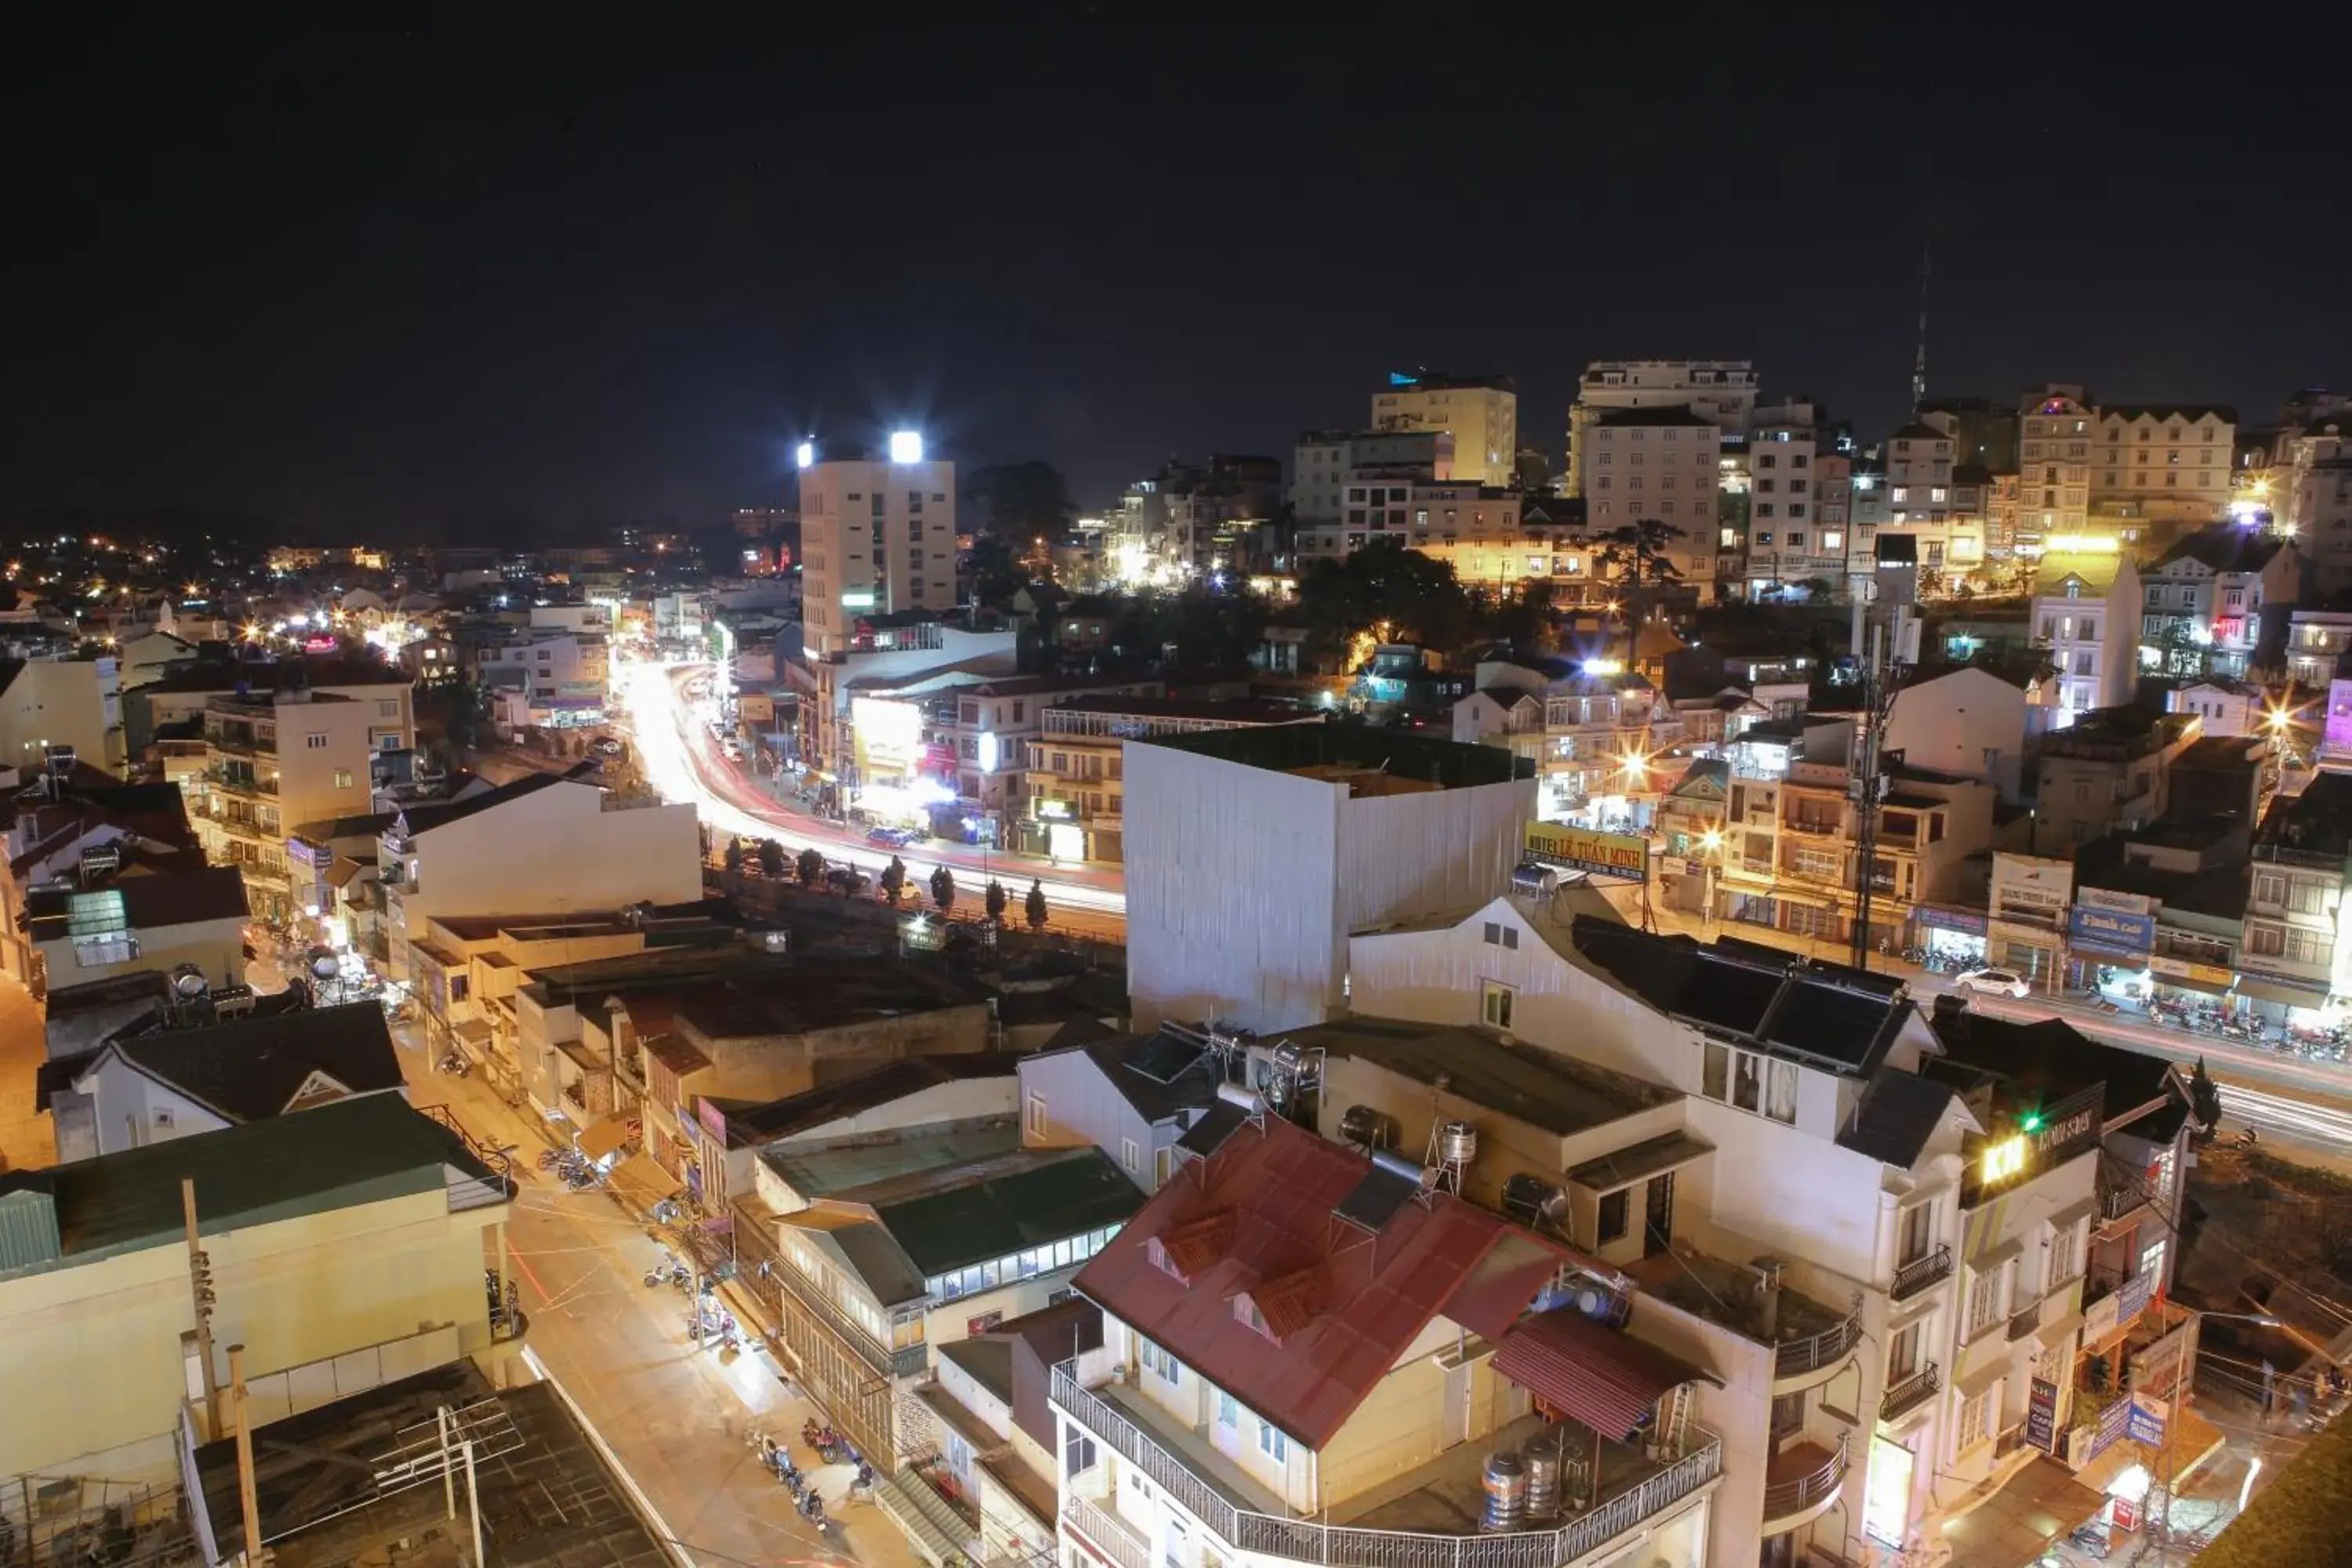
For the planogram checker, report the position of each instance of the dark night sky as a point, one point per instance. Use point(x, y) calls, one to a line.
point(399, 280)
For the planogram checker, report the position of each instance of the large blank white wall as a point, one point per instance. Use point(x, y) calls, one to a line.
point(1243, 884)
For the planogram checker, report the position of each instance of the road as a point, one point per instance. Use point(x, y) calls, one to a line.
point(682, 761)
point(677, 1418)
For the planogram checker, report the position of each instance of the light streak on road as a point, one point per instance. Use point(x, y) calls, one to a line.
point(664, 732)
point(2276, 1116)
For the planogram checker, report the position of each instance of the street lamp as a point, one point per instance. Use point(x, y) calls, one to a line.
point(1712, 842)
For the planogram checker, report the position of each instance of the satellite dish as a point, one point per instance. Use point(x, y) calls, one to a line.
point(188, 982)
point(324, 964)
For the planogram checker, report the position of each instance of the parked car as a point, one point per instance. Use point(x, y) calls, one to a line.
point(2000, 981)
point(846, 880)
point(609, 746)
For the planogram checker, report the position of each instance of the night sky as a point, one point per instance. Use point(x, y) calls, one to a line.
point(400, 281)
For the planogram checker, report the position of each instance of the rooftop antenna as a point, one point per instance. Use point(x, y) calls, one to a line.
point(1919, 362)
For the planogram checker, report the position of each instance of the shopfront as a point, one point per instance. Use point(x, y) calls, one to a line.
point(2281, 999)
point(2110, 937)
point(2181, 982)
point(1954, 939)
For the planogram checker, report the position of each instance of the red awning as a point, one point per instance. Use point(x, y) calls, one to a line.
point(1602, 1376)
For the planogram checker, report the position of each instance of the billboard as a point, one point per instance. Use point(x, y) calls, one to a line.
point(888, 735)
point(1584, 849)
point(2114, 930)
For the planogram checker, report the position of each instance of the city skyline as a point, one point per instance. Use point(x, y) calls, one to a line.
point(406, 283)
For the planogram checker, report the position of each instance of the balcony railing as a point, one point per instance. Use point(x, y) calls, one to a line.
point(1908, 1394)
point(1921, 1272)
point(1344, 1547)
point(2023, 1325)
point(1106, 1532)
point(906, 1362)
point(1783, 1498)
point(1826, 1349)
point(2121, 1199)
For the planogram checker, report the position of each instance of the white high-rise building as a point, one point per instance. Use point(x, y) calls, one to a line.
point(1720, 390)
point(877, 537)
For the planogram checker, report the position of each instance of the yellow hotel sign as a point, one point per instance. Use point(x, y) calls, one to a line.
point(1582, 849)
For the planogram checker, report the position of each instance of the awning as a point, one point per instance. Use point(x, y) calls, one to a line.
point(607, 1135)
point(2283, 993)
point(2134, 956)
point(1605, 1378)
point(2038, 1505)
point(1655, 1157)
point(2190, 983)
point(641, 1179)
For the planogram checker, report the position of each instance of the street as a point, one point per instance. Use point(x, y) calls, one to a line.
point(682, 761)
point(677, 1418)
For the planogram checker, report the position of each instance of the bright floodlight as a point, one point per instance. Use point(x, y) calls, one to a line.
point(906, 446)
point(804, 454)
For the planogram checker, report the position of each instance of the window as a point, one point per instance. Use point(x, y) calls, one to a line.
point(343, 778)
point(1036, 1116)
point(2066, 1254)
point(1127, 1155)
point(387, 709)
point(1497, 1008)
point(1272, 1442)
point(1986, 1297)
point(1500, 935)
point(1972, 1421)
point(460, 987)
point(1229, 1412)
point(1615, 1215)
point(1077, 1451)
point(1902, 1353)
point(1160, 1363)
point(315, 743)
point(1756, 1082)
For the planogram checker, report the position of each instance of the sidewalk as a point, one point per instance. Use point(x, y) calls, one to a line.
point(677, 1417)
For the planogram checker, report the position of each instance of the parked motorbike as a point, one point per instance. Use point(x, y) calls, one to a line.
point(453, 1065)
point(812, 1508)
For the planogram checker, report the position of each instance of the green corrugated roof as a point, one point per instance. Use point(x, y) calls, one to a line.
point(357, 1150)
point(1050, 1196)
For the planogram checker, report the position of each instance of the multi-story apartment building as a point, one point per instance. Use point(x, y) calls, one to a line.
point(1325, 462)
point(46, 704)
point(883, 656)
point(1792, 540)
point(1191, 519)
point(1790, 850)
point(2110, 769)
point(1658, 464)
point(272, 761)
point(551, 676)
point(178, 700)
point(1921, 494)
point(2086, 609)
point(1480, 412)
point(2169, 462)
point(2207, 595)
point(877, 541)
point(1446, 518)
point(549, 842)
point(2054, 454)
point(2317, 640)
point(1304, 1357)
point(97, 925)
point(1721, 391)
point(1984, 433)
point(2295, 945)
point(2310, 495)
point(1075, 792)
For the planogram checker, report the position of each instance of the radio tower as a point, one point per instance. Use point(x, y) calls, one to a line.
point(1919, 362)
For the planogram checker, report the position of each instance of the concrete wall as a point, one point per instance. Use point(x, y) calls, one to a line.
point(1067, 1102)
point(293, 1292)
point(1970, 722)
point(62, 703)
point(217, 945)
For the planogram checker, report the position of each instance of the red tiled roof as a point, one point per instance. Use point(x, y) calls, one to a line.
point(1596, 1374)
point(1369, 1296)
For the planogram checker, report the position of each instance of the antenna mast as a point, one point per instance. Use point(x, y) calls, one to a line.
point(1919, 362)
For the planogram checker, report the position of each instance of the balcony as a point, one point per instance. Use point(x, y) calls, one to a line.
point(2024, 1323)
point(1110, 1536)
point(230, 783)
point(1921, 1272)
point(1633, 1499)
point(1814, 829)
point(1801, 1482)
point(1818, 1352)
point(906, 1362)
point(1909, 1393)
point(2119, 1203)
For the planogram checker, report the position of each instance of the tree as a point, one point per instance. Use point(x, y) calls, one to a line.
point(944, 888)
point(1017, 501)
point(1387, 592)
point(2204, 1101)
point(771, 857)
point(894, 881)
point(1033, 906)
point(995, 899)
point(1637, 553)
point(809, 868)
point(733, 858)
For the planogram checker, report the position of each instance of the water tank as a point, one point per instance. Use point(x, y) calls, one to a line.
point(188, 982)
point(324, 964)
point(1533, 881)
point(1534, 1202)
point(1366, 1128)
point(1505, 1481)
point(1236, 1095)
point(1458, 1142)
point(1543, 1484)
point(1294, 1062)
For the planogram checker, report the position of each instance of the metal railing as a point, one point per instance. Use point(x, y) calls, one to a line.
point(1818, 1352)
point(852, 1335)
point(1116, 1539)
point(1342, 1546)
point(2120, 1199)
point(1915, 1276)
point(2024, 1324)
point(1911, 1392)
point(1783, 1498)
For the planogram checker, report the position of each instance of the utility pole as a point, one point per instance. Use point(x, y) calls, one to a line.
point(249, 1493)
point(200, 1284)
point(1886, 645)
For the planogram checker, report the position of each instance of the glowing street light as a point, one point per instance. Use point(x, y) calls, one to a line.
point(906, 446)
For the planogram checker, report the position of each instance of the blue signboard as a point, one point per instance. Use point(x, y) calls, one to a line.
point(2144, 1425)
point(1968, 922)
point(2116, 931)
point(2113, 1420)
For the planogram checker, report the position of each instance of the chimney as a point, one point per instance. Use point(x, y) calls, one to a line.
point(1768, 1298)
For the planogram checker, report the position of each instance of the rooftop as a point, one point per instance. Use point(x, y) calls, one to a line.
point(1231, 709)
point(1354, 754)
point(262, 1067)
point(2316, 824)
point(1825, 1015)
point(2225, 547)
point(2047, 1061)
point(1676, 415)
point(362, 1150)
point(754, 1125)
point(1555, 1093)
point(417, 820)
point(731, 992)
point(1258, 1217)
point(137, 903)
point(857, 1161)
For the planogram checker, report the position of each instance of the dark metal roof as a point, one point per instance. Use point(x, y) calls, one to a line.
point(896, 1080)
point(247, 1071)
point(1602, 1376)
point(1898, 1113)
point(2046, 1060)
point(1005, 1204)
point(149, 903)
